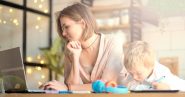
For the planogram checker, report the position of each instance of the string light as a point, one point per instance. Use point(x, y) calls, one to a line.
point(10, 10)
point(29, 71)
point(17, 24)
point(29, 59)
point(38, 68)
point(42, 62)
point(38, 18)
point(46, 11)
point(4, 22)
point(36, 27)
point(42, 0)
point(40, 6)
point(40, 83)
point(35, 1)
point(43, 76)
point(15, 20)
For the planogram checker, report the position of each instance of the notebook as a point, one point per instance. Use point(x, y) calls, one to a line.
point(13, 73)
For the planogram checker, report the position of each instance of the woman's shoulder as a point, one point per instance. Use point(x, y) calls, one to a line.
point(112, 39)
point(108, 37)
point(112, 43)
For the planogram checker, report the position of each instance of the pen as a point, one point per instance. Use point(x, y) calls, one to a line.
point(65, 92)
point(74, 92)
point(58, 92)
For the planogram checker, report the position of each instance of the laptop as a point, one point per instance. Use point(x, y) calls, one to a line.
point(12, 72)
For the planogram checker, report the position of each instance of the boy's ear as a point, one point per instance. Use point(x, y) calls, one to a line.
point(147, 66)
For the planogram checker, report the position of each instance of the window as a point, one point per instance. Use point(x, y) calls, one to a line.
point(27, 24)
point(11, 27)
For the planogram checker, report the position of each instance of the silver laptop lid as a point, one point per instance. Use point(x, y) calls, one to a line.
point(12, 70)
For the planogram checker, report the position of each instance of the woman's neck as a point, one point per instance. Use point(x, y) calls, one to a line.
point(89, 42)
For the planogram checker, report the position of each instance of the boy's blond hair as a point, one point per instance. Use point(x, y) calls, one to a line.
point(137, 53)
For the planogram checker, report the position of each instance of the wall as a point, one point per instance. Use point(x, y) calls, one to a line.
point(168, 39)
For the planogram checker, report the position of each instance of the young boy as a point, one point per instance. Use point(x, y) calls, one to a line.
point(139, 60)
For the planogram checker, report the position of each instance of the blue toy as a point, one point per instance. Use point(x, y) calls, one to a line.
point(100, 87)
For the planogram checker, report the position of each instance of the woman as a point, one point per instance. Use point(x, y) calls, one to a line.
point(89, 56)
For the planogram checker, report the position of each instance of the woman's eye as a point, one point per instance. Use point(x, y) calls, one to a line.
point(66, 27)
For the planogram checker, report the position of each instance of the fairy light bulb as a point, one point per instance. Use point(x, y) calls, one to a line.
point(42, 62)
point(45, 11)
point(36, 27)
point(38, 68)
point(29, 71)
point(29, 59)
point(38, 18)
point(4, 22)
point(17, 24)
point(15, 21)
point(10, 10)
point(35, 1)
point(40, 6)
point(43, 76)
point(40, 83)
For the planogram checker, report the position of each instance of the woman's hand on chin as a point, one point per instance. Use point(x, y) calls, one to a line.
point(74, 48)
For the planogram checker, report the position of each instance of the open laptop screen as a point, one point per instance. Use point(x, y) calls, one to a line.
point(12, 70)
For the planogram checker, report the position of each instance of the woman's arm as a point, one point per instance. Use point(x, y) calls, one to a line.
point(80, 87)
point(72, 72)
point(72, 63)
point(56, 85)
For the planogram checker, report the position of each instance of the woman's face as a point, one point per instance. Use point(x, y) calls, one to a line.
point(71, 30)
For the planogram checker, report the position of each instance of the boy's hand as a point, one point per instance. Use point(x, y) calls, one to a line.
point(160, 86)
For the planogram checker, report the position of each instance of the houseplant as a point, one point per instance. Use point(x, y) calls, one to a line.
point(54, 56)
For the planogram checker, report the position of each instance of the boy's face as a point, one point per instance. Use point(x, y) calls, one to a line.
point(140, 72)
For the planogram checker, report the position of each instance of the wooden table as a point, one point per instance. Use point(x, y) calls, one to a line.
point(179, 94)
